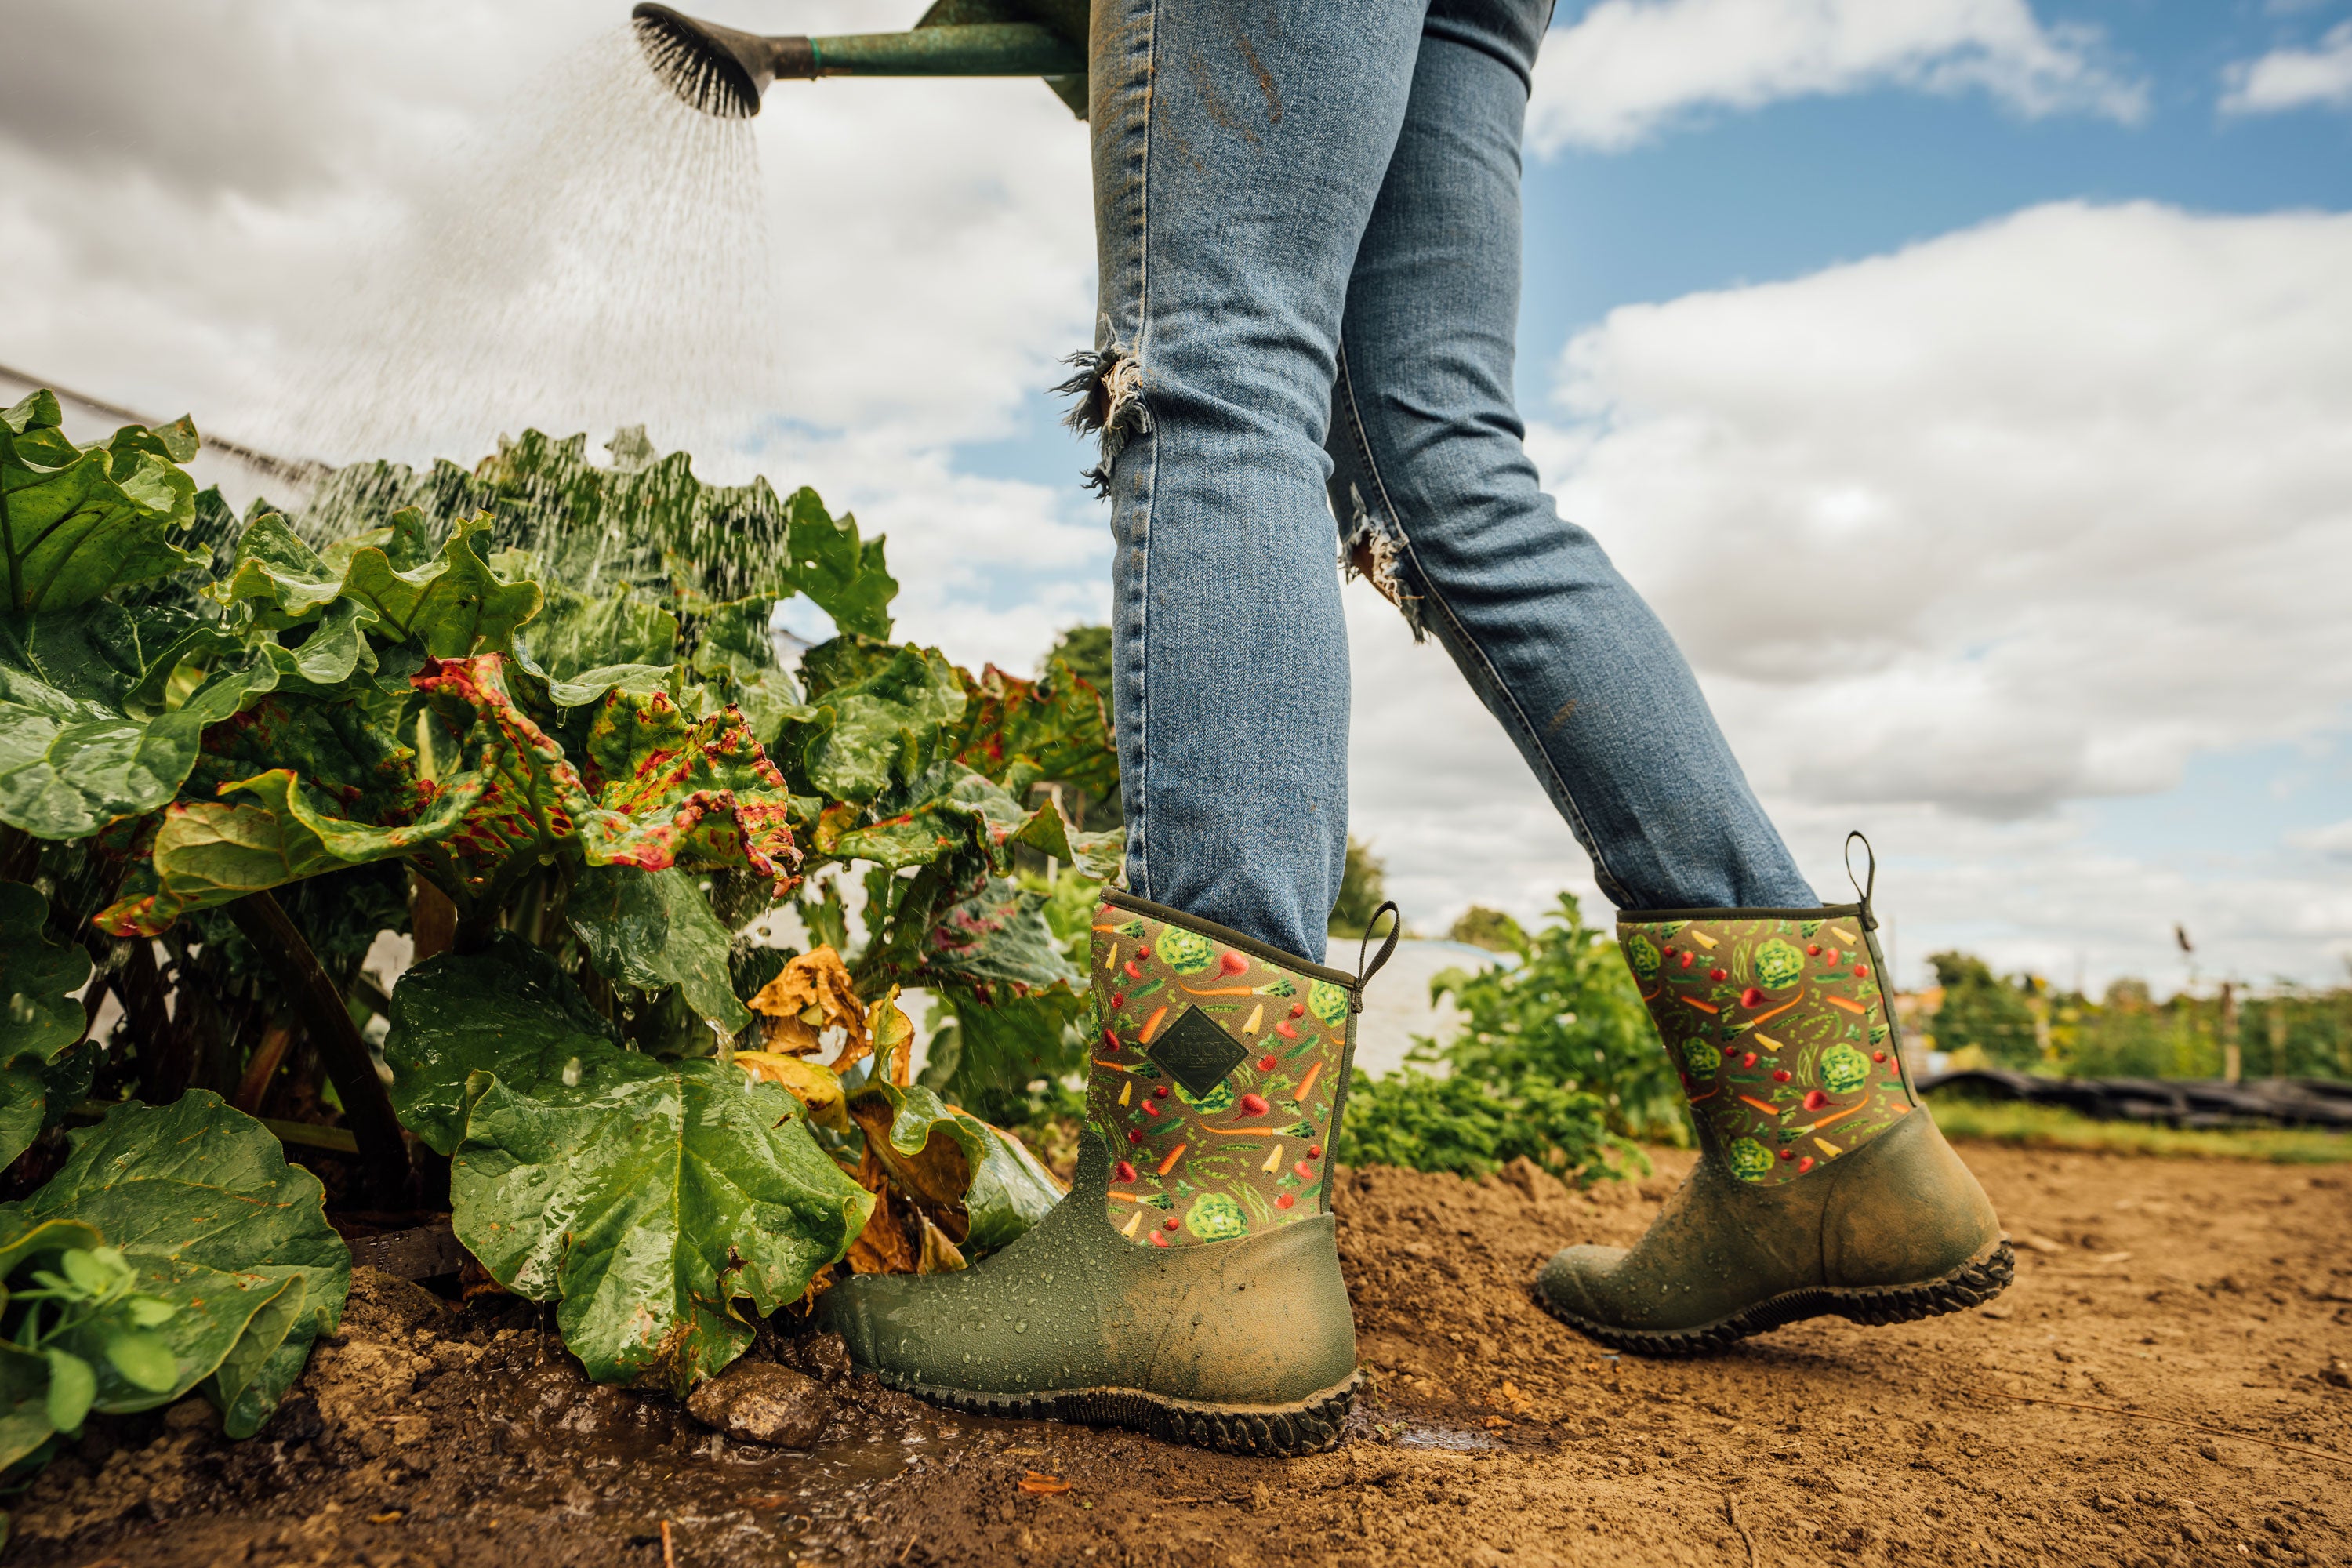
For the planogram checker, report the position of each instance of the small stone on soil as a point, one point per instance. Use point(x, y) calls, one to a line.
point(758, 1402)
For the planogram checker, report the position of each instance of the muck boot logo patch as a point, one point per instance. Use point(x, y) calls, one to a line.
point(1197, 1054)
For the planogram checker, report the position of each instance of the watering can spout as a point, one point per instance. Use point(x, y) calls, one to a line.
point(722, 71)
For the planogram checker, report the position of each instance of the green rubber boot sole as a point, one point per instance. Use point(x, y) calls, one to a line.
point(1247, 1346)
point(1898, 1231)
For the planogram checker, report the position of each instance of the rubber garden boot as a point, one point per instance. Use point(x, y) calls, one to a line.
point(1188, 1286)
point(1822, 1185)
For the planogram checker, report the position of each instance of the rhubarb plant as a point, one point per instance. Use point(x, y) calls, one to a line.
point(532, 715)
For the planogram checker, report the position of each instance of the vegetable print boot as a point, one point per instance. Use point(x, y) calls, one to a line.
point(1823, 1186)
point(1188, 1286)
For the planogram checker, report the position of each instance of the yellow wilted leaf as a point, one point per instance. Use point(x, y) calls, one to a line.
point(882, 1248)
point(893, 1034)
point(940, 1255)
point(811, 995)
point(812, 1085)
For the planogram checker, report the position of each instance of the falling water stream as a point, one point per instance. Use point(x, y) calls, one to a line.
point(598, 256)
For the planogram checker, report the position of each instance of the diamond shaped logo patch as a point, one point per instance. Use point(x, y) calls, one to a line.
point(1197, 1052)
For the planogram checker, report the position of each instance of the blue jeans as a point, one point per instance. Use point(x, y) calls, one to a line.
point(1308, 218)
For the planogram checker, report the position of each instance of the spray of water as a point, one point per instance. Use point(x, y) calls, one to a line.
point(599, 258)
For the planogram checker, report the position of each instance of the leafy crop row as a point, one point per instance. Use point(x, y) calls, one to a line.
point(531, 714)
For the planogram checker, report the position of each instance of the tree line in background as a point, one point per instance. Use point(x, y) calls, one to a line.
point(2025, 1022)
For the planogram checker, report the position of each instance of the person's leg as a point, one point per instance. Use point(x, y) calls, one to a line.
point(1442, 504)
point(1238, 151)
point(1822, 1188)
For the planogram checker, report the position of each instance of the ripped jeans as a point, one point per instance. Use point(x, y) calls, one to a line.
point(1307, 219)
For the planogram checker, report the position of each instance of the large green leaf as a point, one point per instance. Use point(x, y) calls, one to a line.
point(77, 520)
point(646, 1195)
point(449, 606)
point(39, 1018)
point(508, 1011)
point(200, 1199)
point(82, 738)
point(948, 1158)
point(652, 929)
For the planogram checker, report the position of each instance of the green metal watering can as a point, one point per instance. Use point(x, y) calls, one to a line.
point(723, 73)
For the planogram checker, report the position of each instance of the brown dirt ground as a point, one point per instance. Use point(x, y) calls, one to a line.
point(2212, 1293)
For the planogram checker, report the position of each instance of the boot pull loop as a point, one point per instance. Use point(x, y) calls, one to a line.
point(1868, 881)
point(1364, 973)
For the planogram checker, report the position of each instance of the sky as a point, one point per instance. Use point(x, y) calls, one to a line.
point(1969, 384)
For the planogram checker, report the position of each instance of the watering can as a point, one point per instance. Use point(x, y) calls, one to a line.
point(723, 73)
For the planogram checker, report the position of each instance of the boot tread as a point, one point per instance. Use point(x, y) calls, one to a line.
point(1974, 1283)
point(1310, 1426)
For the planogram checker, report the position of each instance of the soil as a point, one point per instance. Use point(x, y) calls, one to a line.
point(2214, 1294)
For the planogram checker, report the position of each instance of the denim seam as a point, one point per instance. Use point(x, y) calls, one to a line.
point(1141, 818)
point(1562, 795)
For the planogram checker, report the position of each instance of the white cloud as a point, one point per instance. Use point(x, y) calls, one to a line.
point(1627, 69)
point(1960, 539)
point(2332, 842)
point(2292, 79)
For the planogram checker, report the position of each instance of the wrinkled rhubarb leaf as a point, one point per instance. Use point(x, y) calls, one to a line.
point(449, 606)
point(652, 929)
point(660, 789)
point(574, 632)
point(646, 1195)
point(1019, 731)
point(645, 524)
point(981, 1185)
point(508, 1011)
point(81, 742)
point(881, 728)
point(77, 520)
point(201, 1200)
point(39, 1016)
point(1000, 937)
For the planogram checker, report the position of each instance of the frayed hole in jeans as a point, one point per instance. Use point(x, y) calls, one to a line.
point(1108, 392)
point(1376, 553)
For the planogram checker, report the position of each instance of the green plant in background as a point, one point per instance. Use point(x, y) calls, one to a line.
point(1983, 1012)
point(531, 714)
point(1555, 1059)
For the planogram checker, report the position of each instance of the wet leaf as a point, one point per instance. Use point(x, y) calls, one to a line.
point(1000, 937)
point(814, 1087)
point(652, 929)
point(449, 606)
point(1018, 731)
point(644, 524)
point(79, 745)
point(76, 522)
point(39, 1016)
point(201, 1203)
point(647, 1196)
point(812, 994)
point(981, 1185)
point(893, 1034)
